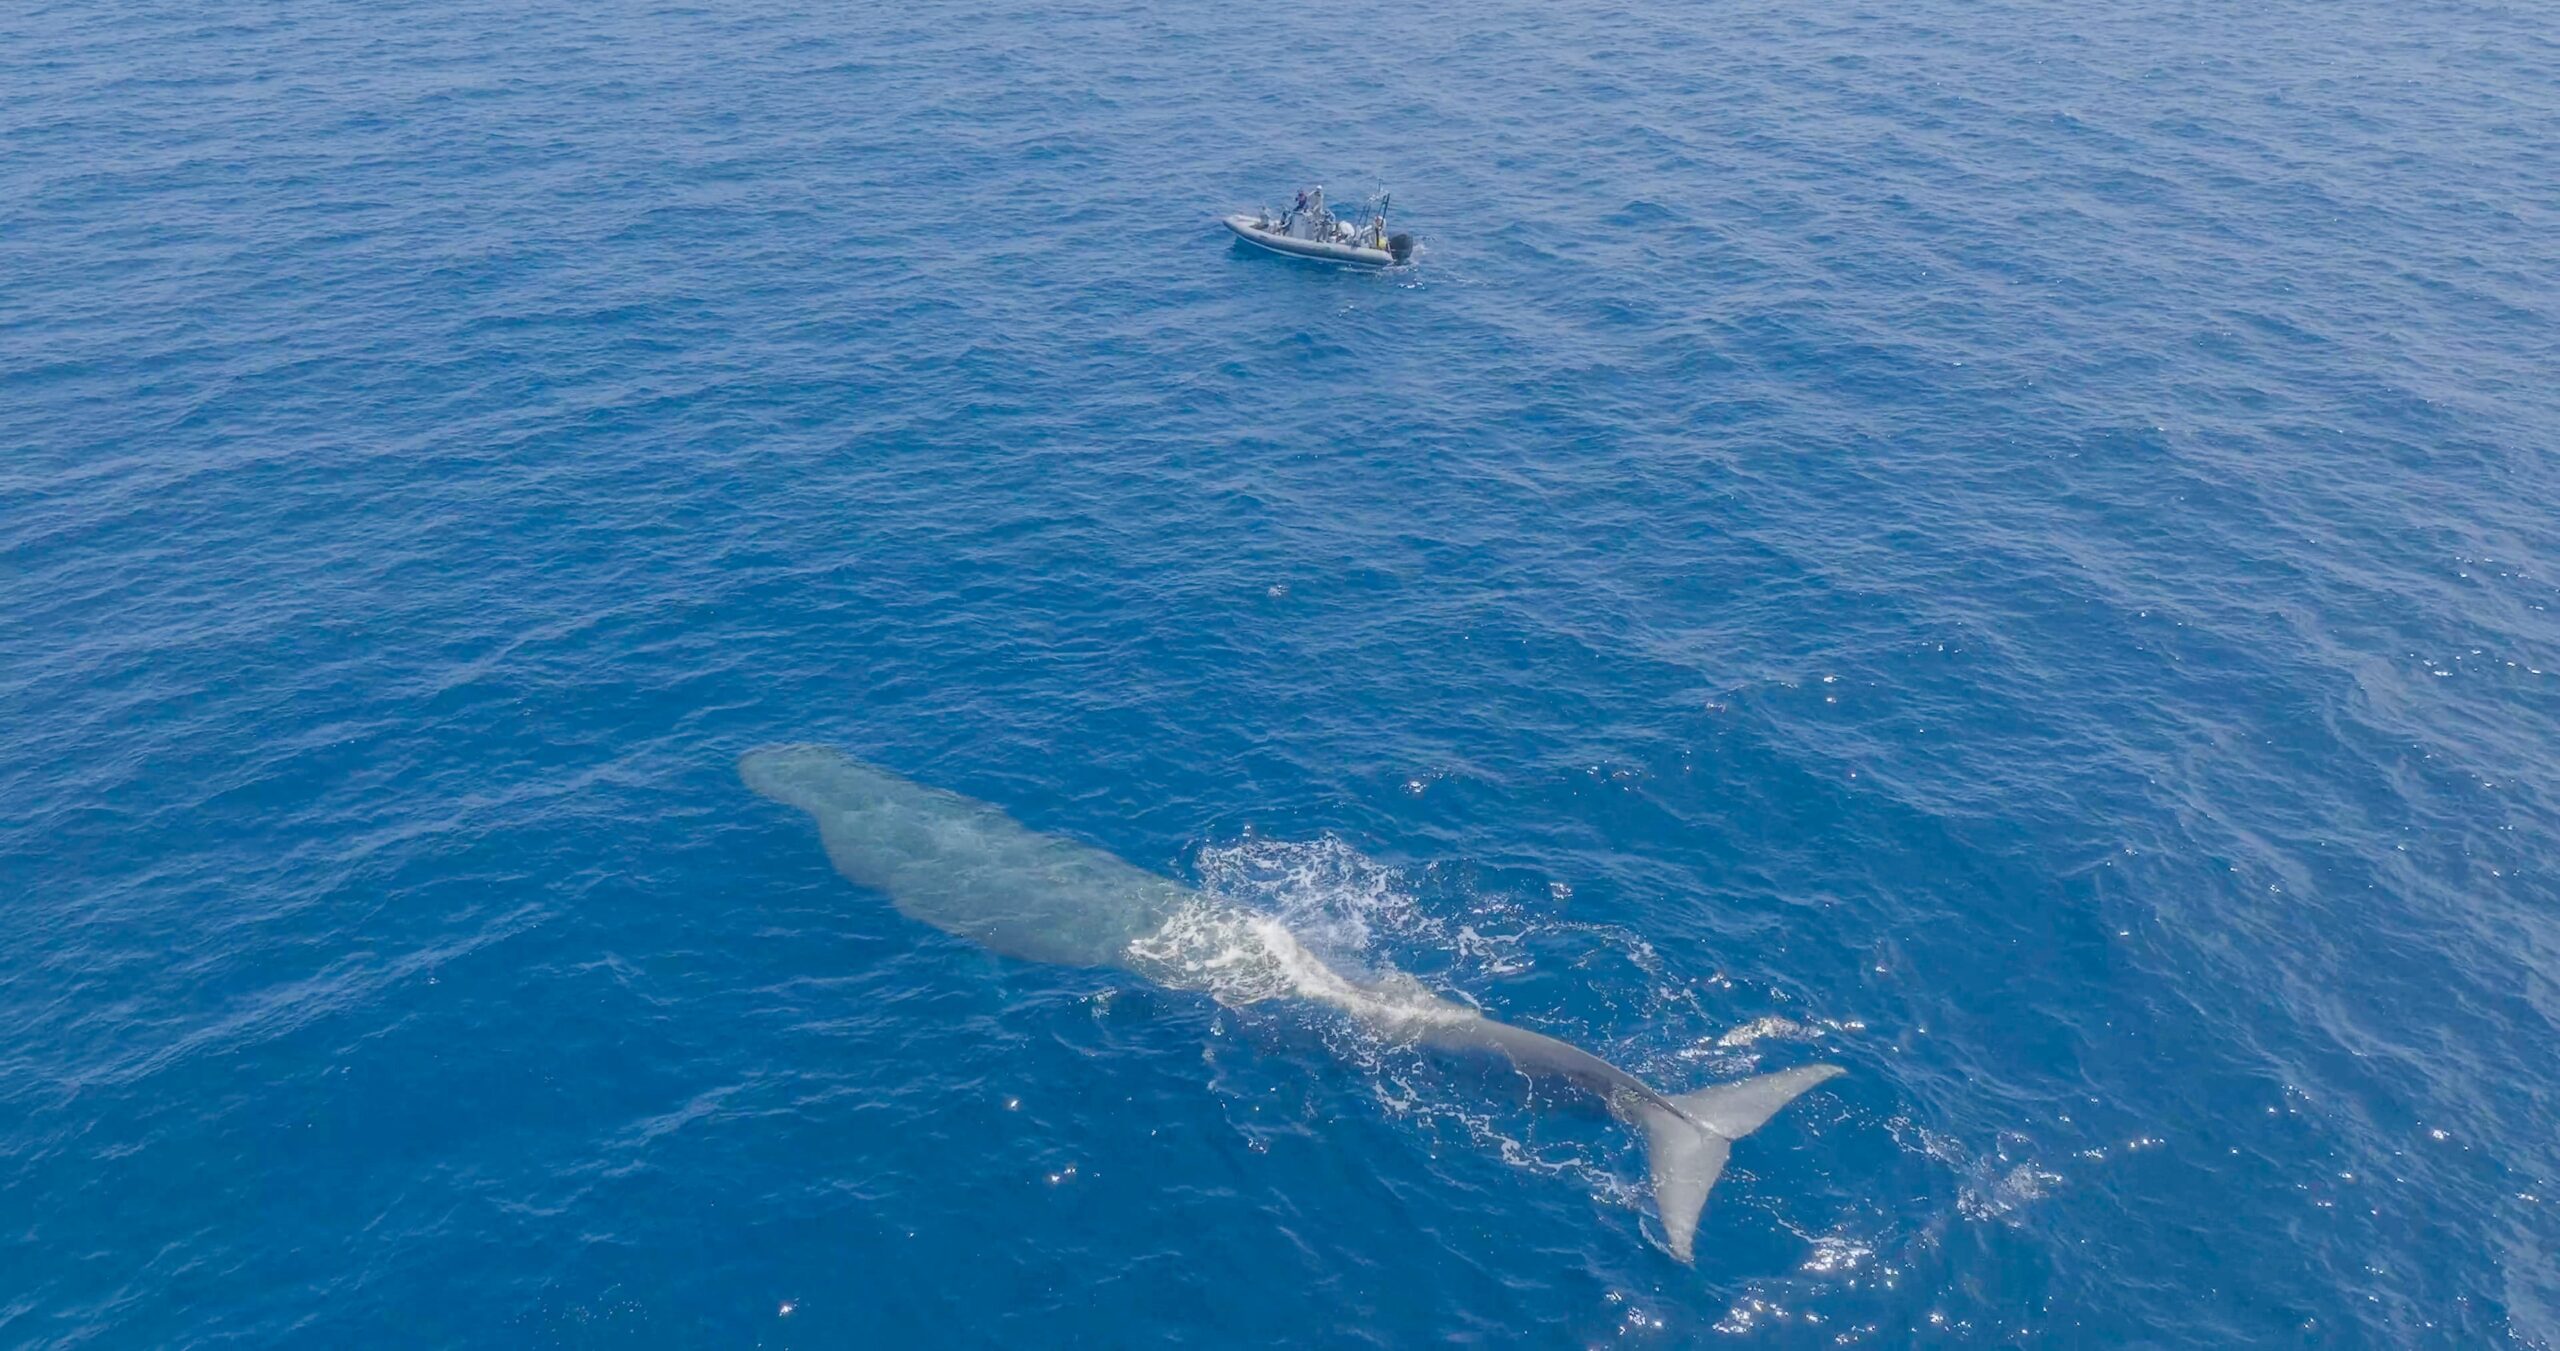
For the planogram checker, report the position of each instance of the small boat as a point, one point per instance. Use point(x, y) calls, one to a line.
point(1308, 230)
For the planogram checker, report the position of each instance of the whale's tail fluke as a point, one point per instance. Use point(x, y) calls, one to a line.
point(1688, 1140)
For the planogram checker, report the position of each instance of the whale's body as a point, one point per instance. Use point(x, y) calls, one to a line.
point(965, 867)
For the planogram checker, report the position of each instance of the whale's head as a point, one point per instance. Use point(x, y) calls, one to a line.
point(808, 777)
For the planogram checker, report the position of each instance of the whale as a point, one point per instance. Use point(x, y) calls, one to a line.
point(969, 869)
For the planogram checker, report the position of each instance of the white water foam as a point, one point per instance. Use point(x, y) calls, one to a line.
point(1237, 957)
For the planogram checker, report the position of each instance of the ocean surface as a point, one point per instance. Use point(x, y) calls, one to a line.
point(2011, 547)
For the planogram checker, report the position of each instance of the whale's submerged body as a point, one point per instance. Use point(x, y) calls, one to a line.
point(967, 868)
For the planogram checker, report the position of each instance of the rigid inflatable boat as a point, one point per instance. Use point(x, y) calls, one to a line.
point(1308, 230)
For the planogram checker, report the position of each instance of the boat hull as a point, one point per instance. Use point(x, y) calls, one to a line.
point(1247, 230)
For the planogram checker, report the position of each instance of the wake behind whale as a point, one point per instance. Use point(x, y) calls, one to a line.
point(965, 867)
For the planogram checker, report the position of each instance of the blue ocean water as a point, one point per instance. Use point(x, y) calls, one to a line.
point(2007, 546)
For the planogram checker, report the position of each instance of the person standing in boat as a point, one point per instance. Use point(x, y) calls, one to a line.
point(1311, 210)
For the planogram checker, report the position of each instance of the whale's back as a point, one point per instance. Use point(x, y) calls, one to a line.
point(964, 866)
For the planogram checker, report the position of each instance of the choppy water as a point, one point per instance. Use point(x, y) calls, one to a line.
point(2007, 546)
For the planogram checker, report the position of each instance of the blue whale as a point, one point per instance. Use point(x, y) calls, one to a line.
point(968, 869)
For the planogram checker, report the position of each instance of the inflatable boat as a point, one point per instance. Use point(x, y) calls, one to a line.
point(1308, 230)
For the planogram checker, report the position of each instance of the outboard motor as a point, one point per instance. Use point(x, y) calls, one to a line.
point(1400, 247)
